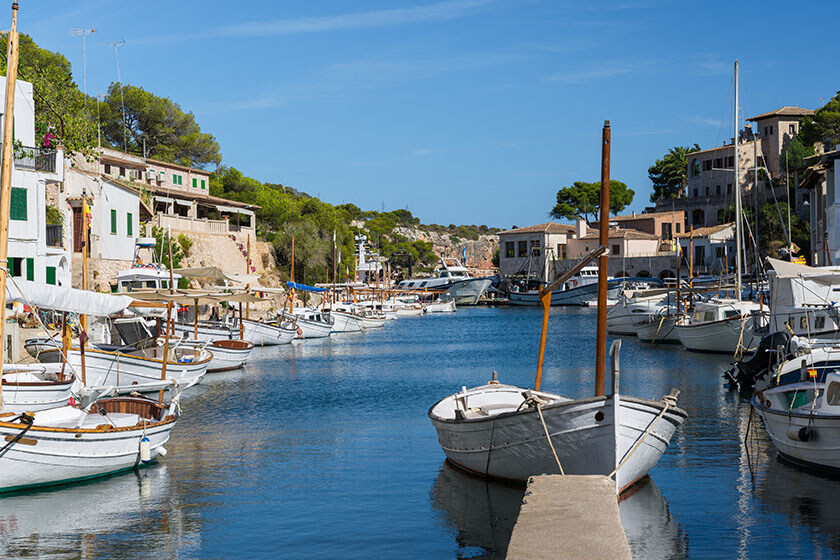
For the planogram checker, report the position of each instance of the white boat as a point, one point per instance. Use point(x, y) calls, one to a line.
point(227, 354)
point(722, 325)
point(453, 278)
point(441, 306)
point(660, 329)
point(32, 387)
point(207, 331)
point(372, 319)
point(267, 334)
point(495, 430)
point(634, 307)
point(70, 444)
point(803, 421)
point(312, 322)
point(345, 321)
point(577, 290)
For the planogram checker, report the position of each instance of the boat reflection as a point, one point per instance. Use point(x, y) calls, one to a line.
point(651, 531)
point(482, 512)
point(117, 517)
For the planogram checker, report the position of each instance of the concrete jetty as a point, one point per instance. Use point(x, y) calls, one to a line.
point(571, 517)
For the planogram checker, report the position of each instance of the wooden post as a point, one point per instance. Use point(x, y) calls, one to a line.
point(292, 293)
point(248, 271)
point(601, 338)
point(65, 340)
point(170, 325)
point(195, 320)
point(545, 300)
point(165, 346)
point(679, 258)
point(6, 179)
point(83, 317)
point(241, 323)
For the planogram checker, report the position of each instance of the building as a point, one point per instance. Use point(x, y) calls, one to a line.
point(709, 194)
point(664, 225)
point(623, 243)
point(529, 251)
point(708, 250)
point(37, 249)
point(821, 181)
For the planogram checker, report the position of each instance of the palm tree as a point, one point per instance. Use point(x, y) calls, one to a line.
point(669, 175)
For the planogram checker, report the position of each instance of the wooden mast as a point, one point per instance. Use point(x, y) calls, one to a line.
point(6, 178)
point(85, 246)
point(247, 272)
point(169, 324)
point(601, 339)
point(292, 292)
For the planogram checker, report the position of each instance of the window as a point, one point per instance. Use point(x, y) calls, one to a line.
point(728, 188)
point(719, 252)
point(695, 192)
point(765, 131)
point(717, 190)
point(195, 183)
point(792, 129)
point(107, 169)
point(17, 208)
point(15, 265)
point(523, 249)
point(707, 192)
point(832, 394)
point(129, 225)
point(695, 168)
point(699, 255)
point(820, 322)
point(718, 163)
point(203, 185)
point(771, 131)
point(51, 275)
point(666, 231)
point(679, 225)
point(561, 251)
point(730, 162)
point(535, 247)
point(707, 165)
point(30, 269)
point(616, 249)
point(509, 252)
point(113, 222)
point(122, 171)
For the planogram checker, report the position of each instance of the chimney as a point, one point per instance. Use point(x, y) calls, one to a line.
point(634, 213)
point(581, 228)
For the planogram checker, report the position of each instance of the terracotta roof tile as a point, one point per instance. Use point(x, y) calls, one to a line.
point(706, 231)
point(784, 112)
point(548, 227)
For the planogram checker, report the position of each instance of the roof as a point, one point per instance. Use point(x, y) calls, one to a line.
point(706, 231)
point(177, 193)
point(176, 166)
point(548, 227)
point(645, 216)
point(784, 112)
point(622, 233)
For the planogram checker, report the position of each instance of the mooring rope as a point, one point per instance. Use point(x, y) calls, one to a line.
point(668, 400)
point(548, 437)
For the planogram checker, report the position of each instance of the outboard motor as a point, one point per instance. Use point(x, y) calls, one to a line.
point(772, 349)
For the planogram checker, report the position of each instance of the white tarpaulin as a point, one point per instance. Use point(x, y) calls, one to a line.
point(797, 290)
point(216, 274)
point(47, 296)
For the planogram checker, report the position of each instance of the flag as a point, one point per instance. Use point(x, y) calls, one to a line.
point(794, 248)
point(464, 255)
point(800, 260)
point(88, 215)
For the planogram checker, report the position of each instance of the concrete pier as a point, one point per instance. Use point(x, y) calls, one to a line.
point(571, 517)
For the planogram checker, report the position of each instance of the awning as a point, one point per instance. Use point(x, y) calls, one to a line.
point(47, 296)
point(193, 297)
point(164, 199)
point(304, 287)
point(234, 210)
point(217, 275)
point(187, 203)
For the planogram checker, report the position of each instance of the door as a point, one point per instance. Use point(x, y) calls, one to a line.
point(78, 225)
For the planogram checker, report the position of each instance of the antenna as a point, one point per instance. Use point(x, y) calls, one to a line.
point(84, 33)
point(116, 45)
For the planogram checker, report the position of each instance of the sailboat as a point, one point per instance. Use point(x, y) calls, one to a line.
point(68, 443)
point(726, 324)
point(507, 432)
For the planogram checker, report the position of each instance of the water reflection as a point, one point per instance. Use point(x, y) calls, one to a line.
point(124, 516)
point(651, 531)
point(482, 512)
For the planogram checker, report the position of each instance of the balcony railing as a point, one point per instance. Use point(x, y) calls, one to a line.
point(55, 236)
point(39, 159)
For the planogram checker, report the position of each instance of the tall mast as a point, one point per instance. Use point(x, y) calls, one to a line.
point(604, 225)
point(738, 248)
point(6, 176)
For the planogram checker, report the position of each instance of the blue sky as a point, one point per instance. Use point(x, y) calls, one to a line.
point(463, 111)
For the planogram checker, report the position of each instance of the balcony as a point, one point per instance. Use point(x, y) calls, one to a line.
point(39, 159)
point(55, 236)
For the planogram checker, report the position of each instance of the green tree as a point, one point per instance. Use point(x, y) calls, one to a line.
point(669, 175)
point(170, 134)
point(62, 115)
point(179, 252)
point(824, 126)
point(794, 154)
point(583, 200)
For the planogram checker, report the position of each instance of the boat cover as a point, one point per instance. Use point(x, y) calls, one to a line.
point(59, 298)
point(304, 287)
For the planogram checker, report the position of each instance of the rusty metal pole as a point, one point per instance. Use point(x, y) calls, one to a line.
point(601, 340)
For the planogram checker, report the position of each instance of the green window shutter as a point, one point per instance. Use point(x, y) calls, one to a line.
point(113, 221)
point(17, 207)
point(129, 225)
point(51, 275)
point(30, 269)
point(203, 185)
point(195, 183)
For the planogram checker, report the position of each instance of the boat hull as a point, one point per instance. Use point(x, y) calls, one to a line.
point(572, 296)
point(468, 292)
point(513, 445)
point(344, 322)
point(726, 336)
point(25, 391)
point(658, 330)
point(263, 334)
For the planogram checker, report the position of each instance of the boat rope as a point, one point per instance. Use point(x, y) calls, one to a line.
point(538, 405)
point(25, 419)
point(661, 321)
point(669, 401)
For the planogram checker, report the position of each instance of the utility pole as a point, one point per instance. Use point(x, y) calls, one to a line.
point(116, 45)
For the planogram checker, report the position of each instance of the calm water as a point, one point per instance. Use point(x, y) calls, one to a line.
point(323, 449)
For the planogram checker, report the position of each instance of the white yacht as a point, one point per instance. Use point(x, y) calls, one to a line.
point(722, 325)
point(635, 307)
point(578, 290)
point(453, 278)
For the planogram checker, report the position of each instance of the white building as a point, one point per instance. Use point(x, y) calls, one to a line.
point(530, 251)
point(822, 181)
point(709, 250)
point(36, 251)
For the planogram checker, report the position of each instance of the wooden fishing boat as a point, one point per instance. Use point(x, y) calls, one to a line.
point(227, 354)
point(70, 444)
point(312, 322)
point(508, 432)
point(267, 334)
point(32, 387)
point(345, 319)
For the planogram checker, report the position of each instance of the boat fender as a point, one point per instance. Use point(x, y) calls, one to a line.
point(162, 451)
point(803, 434)
point(145, 450)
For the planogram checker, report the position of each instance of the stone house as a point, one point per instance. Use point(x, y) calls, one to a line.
point(529, 251)
point(709, 250)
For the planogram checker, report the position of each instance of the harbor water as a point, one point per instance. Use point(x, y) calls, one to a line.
point(324, 450)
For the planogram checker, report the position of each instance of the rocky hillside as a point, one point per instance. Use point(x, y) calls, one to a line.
point(479, 251)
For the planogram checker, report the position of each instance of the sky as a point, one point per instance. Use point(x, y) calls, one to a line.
point(462, 111)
